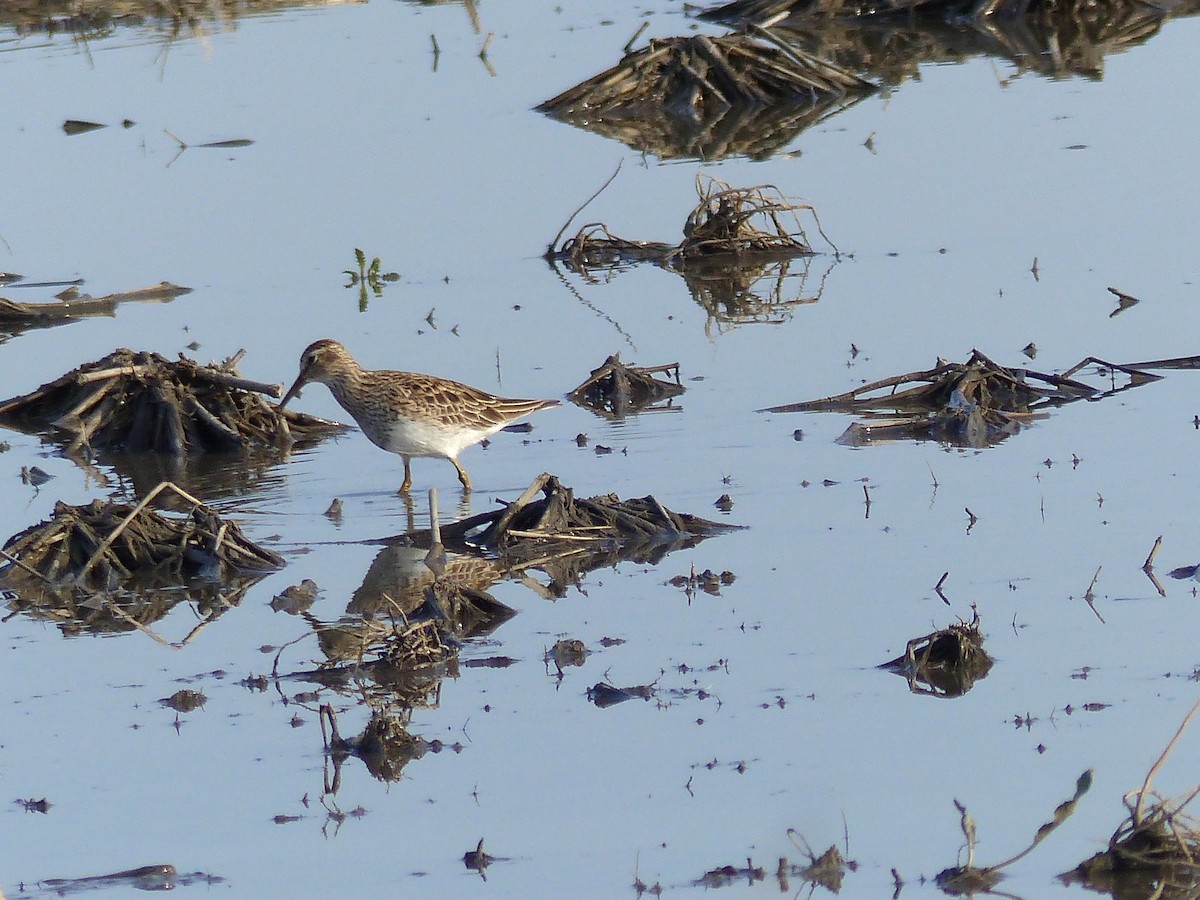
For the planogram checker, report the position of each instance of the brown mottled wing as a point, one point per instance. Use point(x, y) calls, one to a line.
point(418, 396)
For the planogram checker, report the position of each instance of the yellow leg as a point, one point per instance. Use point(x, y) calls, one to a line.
point(407, 483)
point(462, 476)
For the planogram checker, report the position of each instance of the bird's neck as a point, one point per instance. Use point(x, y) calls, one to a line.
point(348, 384)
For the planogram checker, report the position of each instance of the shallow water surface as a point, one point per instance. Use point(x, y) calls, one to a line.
point(940, 192)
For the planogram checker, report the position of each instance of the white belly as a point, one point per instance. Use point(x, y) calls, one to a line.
point(409, 438)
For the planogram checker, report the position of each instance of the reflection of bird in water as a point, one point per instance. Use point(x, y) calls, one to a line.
point(409, 413)
point(398, 582)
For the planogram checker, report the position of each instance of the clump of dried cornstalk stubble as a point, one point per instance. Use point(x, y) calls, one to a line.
point(615, 390)
point(946, 662)
point(1155, 851)
point(565, 536)
point(140, 402)
point(558, 516)
point(976, 403)
point(728, 226)
point(102, 545)
point(709, 97)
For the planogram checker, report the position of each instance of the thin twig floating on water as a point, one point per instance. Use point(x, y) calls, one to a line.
point(550, 252)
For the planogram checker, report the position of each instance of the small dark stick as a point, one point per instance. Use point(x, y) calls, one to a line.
point(937, 588)
point(1149, 563)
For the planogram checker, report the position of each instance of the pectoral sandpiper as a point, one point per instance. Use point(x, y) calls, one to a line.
point(409, 413)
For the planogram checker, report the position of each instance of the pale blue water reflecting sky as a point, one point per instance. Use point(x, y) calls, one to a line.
point(454, 182)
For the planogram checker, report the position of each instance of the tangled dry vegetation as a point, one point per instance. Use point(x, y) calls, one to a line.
point(1155, 851)
point(977, 403)
point(827, 870)
point(946, 662)
point(889, 39)
point(85, 17)
point(385, 745)
point(736, 256)
point(565, 536)
point(709, 97)
point(103, 563)
point(615, 390)
point(140, 402)
point(728, 226)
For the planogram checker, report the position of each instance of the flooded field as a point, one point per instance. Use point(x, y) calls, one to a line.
point(858, 556)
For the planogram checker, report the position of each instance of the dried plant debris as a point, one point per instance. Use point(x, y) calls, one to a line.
point(385, 744)
point(566, 536)
point(139, 402)
point(975, 404)
point(615, 390)
point(1057, 40)
point(421, 643)
point(88, 564)
point(945, 663)
point(364, 658)
point(767, 293)
point(708, 581)
point(969, 879)
point(605, 695)
point(404, 625)
point(745, 256)
point(399, 644)
point(71, 306)
point(827, 870)
point(709, 97)
point(1155, 852)
point(726, 876)
point(144, 878)
point(728, 227)
point(1096, 24)
point(185, 701)
point(566, 652)
point(102, 17)
point(295, 598)
point(477, 860)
